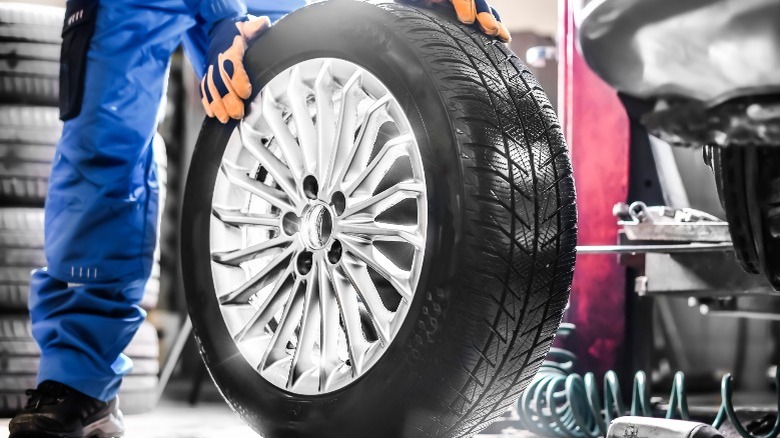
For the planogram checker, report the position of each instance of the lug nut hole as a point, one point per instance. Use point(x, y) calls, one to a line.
point(334, 253)
point(291, 224)
point(339, 203)
point(304, 262)
point(310, 187)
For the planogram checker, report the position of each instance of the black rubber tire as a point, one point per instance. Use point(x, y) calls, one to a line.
point(25, 125)
point(16, 344)
point(19, 87)
point(29, 73)
point(31, 22)
point(21, 251)
point(16, 338)
point(730, 179)
point(501, 239)
point(28, 136)
point(29, 54)
point(749, 189)
point(24, 173)
point(19, 358)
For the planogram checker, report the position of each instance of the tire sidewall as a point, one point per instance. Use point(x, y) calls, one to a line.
point(380, 401)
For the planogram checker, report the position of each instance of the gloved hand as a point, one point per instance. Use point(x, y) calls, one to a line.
point(473, 11)
point(226, 83)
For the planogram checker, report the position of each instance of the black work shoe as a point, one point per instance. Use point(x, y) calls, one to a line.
point(55, 410)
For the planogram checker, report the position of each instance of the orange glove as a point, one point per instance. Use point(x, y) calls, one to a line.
point(475, 11)
point(226, 83)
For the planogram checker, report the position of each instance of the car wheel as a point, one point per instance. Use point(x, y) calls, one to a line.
point(384, 246)
point(749, 190)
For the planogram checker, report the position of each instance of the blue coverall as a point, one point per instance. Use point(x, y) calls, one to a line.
point(101, 209)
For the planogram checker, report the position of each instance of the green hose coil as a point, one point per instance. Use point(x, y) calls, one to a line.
point(560, 403)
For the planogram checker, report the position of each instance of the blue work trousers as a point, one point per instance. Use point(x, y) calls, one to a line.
point(102, 208)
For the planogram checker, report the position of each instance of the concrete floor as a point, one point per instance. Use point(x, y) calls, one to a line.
point(174, 417)
point(179, 420)
point(211, 419)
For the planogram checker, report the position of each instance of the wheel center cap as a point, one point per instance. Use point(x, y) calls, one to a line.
point(317, 226)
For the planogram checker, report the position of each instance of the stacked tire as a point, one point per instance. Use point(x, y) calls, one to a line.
point(29, 130)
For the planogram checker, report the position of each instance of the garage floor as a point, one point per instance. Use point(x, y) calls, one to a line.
point(211, 417)
point(207, 420)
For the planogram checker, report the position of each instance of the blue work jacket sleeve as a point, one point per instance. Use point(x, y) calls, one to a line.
point(212, 11)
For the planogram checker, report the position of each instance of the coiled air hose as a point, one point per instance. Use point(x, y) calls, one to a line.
point(561, 403)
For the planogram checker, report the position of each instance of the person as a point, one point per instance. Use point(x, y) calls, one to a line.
point(101, 208)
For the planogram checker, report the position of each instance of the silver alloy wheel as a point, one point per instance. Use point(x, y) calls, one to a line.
point(319, 226)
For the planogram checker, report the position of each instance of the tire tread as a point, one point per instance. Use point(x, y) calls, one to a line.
point(518, 177)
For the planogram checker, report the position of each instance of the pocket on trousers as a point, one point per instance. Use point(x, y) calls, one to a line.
point(77, 31)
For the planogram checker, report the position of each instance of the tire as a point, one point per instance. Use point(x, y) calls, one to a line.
point(501, 227)
point(21, 251)
point(29, 125)
point(730, 179)
point(16, 345)
point(24, 173)
point(29, 54)
point(20, 356)
point(28, 136)
point(16, 338)
point(749, 190)
point(29, 82)
point(43, 21)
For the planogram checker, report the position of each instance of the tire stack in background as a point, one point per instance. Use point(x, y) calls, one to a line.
point(29, 130)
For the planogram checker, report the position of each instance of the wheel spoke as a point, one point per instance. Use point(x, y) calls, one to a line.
point(369, 179)
point(397, 277)
point(371, 231)
point(383, 201)
point(251, 140)
point(235, 258)
point(298, 94)
point(360, 152)
point(348, 124)
point(287, 143)
point(364, 285)
point(236, 218)
point(350, 314)
point(275, 301)
point(277, 349)
point(326, 120)
point(243, 294)
point(310, 323)
point(239, 178)
point(329, 326)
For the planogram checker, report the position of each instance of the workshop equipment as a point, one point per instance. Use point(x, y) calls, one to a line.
point(561, 403)
point(643, 427)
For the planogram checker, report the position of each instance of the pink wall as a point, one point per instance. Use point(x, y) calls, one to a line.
point(597, 130)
